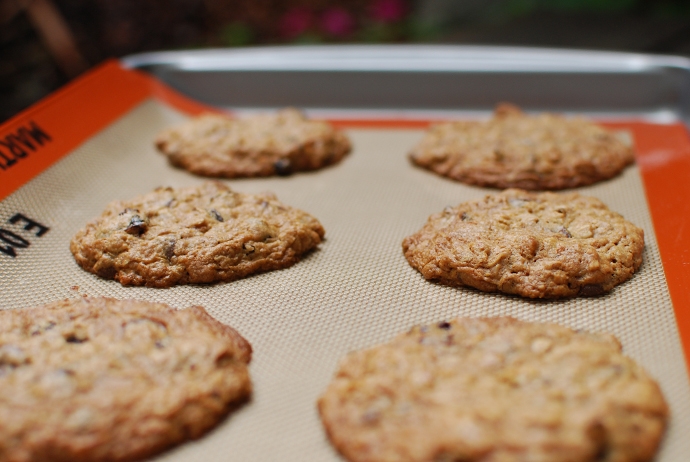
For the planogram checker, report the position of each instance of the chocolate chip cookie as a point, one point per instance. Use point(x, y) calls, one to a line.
point(537, 245)
point(516, 150)
point(262, 145)
point(113, 380)
point(490, 390)
point(202, 234)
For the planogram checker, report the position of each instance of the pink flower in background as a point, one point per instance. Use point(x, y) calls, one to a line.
point(388, 10)
point(296, 22)
point(337, 22)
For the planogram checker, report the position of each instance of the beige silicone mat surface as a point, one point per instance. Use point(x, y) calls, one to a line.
point(355, 291)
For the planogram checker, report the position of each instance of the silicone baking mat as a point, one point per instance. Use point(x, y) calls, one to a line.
point(62, 161)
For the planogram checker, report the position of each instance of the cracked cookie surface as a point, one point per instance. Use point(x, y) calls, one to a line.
point(194, 235)
point(494, 390)
point(260, 145)
point(536, 245)
point(113, 380)
point(516, 150)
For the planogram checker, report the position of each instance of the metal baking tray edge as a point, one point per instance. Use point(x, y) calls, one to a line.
point(432, 79)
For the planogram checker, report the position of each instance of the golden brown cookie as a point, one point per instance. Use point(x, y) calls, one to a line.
point(201, 234)
point(516, 150)
point(99, 379)
point(494, 390)
point(537, 245)
point(262, 145)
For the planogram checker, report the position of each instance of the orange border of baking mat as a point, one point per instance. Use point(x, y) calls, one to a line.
point(70, 116)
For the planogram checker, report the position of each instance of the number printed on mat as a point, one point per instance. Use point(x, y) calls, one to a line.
point(18, 233)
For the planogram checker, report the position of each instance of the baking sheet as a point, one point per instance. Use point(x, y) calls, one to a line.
point(440, 80)
point(355, 291)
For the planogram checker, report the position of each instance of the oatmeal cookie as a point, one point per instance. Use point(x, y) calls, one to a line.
point(193, 235)
point(494, 390)
point(99, 379)
point(515, 150)
point(262, 145)
point(537, 245)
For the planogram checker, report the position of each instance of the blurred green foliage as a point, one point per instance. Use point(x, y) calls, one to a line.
point(236, 34)
point(647, 7)
point(303, 19)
